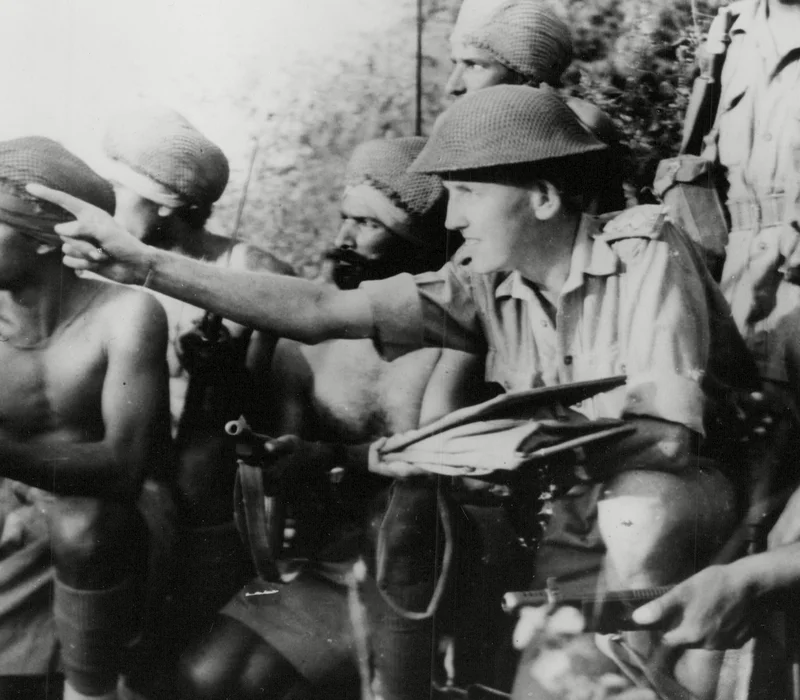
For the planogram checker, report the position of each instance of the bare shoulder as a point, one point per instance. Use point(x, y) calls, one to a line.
point(125, 311)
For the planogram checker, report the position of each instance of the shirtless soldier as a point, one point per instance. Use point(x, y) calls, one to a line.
point(337, 397)
point(83, 414)
point(166, 177)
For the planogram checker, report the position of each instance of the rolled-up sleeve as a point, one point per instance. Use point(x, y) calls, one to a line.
point(664, 316)
point(433, 309)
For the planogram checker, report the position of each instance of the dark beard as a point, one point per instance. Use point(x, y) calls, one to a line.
point(350, 269)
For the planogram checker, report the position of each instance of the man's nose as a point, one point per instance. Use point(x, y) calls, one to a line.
point(455, 83)
point(346, 237)
point(454, 221)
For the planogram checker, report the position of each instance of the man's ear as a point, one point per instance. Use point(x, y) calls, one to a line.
point(45, 248)
point(545, 200)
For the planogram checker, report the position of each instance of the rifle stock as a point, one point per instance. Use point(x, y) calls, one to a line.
point(704, 100)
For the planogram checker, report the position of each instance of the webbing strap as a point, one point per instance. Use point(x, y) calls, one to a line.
point(748, 214)
point(259, 519)
point(382, 555)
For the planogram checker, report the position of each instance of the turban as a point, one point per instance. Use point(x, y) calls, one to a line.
point(162, 157)
point(415, 208)
point(45, 162)
point(504, 125)
point(529, 38)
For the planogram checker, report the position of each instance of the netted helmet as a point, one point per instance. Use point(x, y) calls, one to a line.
point(36, 159)
point(528, 37)
point(504, 125)
point(383, 164)
point(162, 145)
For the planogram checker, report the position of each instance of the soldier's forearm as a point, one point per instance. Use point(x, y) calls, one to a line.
point(83, 469)
point(286, 306)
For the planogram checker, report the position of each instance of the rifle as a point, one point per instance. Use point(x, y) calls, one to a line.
point(211, 356)
point(259, 509)
point(704, 101)
point(260, 496)
point(605, 612)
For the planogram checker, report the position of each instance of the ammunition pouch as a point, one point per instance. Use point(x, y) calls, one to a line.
point(686, 186)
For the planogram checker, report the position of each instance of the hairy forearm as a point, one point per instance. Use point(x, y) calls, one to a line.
point(286, 306)
point(88, 469)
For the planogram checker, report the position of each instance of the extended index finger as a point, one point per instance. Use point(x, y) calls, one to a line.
point(66, 201)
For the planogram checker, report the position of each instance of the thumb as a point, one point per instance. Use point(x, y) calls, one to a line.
point(282, 446)
point(375, 457)
point(531, 621)
point(656, 610)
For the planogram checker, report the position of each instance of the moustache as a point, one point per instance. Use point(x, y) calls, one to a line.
point(349, 268)
point(347, 256)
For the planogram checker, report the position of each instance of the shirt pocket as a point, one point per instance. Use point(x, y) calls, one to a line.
point(733, 123)
point(597, 363)
point(511, 375)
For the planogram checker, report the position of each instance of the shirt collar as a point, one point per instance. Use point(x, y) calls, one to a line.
point(590, 256)
point(744, 20)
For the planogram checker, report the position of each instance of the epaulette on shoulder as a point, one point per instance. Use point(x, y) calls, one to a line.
point(643, 221)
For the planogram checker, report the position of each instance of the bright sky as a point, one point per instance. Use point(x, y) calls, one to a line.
point(66, 64)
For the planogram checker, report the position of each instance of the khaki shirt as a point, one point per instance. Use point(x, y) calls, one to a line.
point(757, 134)
point(756, 140)
point(636, 302)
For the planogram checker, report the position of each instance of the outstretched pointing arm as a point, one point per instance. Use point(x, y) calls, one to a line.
point(286, 306)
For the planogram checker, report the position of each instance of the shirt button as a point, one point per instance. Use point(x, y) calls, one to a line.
point(568, 360)
point(768, 137)
point(622, 368)
point(545, 324)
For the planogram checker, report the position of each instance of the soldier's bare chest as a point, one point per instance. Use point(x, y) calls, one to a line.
point(359, 394)
point(52, 385)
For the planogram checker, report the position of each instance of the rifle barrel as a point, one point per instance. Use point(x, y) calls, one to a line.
point(514, 600)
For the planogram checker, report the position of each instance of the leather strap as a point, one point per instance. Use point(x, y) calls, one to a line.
point(259, 519)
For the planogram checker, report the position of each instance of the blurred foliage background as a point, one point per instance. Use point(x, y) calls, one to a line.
point(633, 58)
point(309, 80)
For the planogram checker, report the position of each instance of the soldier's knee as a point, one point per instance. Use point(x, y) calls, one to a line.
point(89, 534)
point(231, 666)
point(661, 526)
point(203, 678)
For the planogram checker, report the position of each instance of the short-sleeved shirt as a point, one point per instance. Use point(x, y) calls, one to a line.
point(635, 302)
